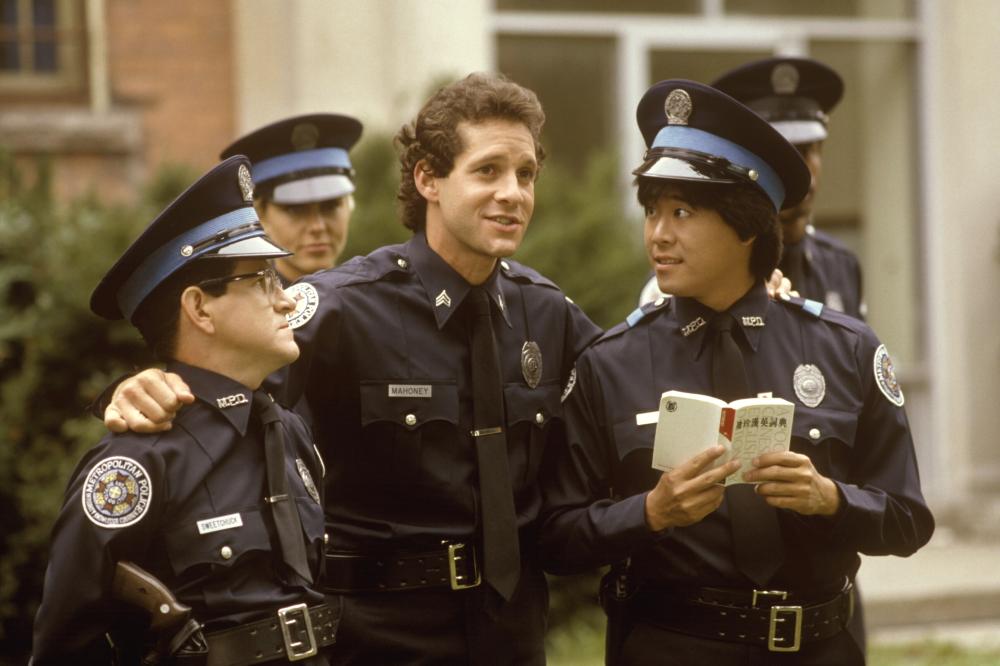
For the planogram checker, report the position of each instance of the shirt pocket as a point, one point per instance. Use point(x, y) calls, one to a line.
point(634, 472)
point(827, 436)
point(400, 420)
point(188, 550)
point(533, 415)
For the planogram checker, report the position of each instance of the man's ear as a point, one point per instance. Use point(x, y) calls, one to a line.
point(426, 181)
point(196, 308)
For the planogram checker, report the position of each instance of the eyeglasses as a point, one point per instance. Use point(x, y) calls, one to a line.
point(266, 278)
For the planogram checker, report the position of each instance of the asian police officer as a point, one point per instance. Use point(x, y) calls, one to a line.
point(749, 574)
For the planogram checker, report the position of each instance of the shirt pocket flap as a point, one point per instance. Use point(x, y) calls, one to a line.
point(187, 548)
point(631, 437)
point(409, 404)
point(816, 425)
point(532, 405)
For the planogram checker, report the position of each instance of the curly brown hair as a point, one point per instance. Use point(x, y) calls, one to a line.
point(433, 136)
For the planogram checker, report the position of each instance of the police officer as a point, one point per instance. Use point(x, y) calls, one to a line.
point(223, 509)
point(749, 574)
point(435, 370)
point(796, 95)
point(304, 187)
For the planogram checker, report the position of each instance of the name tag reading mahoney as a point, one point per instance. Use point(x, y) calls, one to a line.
point(409, 390)
point(219, 523)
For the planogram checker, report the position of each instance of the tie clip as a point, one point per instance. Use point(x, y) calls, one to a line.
point(483, 432)
point(276, 498)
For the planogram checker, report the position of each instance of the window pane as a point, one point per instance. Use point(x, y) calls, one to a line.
point(45, 56)
point(8, 14)
point(9, 57)
point(44, 13)
point(840, 8)
point(702, 66)
point(574, 79)
point(618, 7)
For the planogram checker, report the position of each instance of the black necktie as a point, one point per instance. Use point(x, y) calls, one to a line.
point(283, 509)
point(757, 544)
point(501, 551)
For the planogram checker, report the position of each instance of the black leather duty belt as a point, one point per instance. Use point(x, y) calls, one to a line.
point(453, 565)
point(293, 633)
point(779, 620)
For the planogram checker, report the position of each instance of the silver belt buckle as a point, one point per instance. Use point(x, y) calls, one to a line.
point(288, 618)
point(780, 615)
point(456, 552)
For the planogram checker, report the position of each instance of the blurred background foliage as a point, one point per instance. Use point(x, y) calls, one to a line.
point(56, 356)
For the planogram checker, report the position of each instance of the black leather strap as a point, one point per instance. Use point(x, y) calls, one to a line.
point(729, 615)
point(353, 572)
point(263, 641)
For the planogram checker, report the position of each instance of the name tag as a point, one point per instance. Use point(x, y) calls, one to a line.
point(647, 418)
point(220, 523)
point(409, 390)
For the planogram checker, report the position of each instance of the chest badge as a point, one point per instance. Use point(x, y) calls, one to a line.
point(307, 480)
point(809, 384)
point(442, 299)
point(885, 377)
point(531, 363)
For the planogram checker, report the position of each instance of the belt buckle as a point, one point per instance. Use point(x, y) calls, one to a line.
point(779, 614)
point(781, 594)
point(295, 649)
point(456, 552)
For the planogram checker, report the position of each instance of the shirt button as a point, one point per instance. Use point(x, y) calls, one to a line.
point(504, 265)
point(814, 433)
point(226, 552)
point(401, 263)
point(326, 539)
point(539, 418)
point(411, 420)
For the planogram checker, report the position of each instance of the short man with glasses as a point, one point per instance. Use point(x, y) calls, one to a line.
point(224, 509)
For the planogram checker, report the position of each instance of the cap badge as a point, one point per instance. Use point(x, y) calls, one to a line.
point(245, 181)
point(678, 107)
point(785, 79)
point(304, 136)
point(307, 480)
point(531, 363)
point(809, 384)
point(885, 377)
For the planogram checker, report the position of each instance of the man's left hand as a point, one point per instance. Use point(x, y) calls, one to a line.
point(788, 480)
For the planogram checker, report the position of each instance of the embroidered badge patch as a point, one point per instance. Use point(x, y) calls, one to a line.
point(307, 480)
point(809, 384)
point(117, 493)
point(306, 301)
point(570, 383)
point(885, 377)
point(531, 363)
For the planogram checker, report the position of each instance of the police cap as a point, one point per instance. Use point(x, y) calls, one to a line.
point(696, 133)
point(213, 218)
point(301, 159)
point(793, 94)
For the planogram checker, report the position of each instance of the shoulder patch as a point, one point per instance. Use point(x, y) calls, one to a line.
point(885, 377)
point(306, 302)
point(570, 383)
point(117, 493)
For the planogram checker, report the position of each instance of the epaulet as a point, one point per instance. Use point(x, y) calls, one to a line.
point(814, 308)
point(518, 272)
point(369, 268)
point(641, 313)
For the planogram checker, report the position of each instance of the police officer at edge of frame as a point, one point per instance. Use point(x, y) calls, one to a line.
point(189, 505)
point(435, 371)
point(749, 574)
point(304, 186)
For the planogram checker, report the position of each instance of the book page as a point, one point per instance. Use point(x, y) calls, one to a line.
point(762, 425)
point(688, 424)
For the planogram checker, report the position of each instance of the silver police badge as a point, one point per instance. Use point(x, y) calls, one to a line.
point(785, 79)
point(245, 182)
point(531, 363)
point(678, 107)
point(307, 480)
point(809, 384)
point(885, 377)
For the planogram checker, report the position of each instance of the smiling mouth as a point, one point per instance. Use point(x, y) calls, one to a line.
point(504, 220)
point(666, 261)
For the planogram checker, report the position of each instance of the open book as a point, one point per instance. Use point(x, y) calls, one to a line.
point(689, 423)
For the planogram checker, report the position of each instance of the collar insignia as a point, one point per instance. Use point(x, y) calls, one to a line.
point(443, 299)
point(232, 400)
point(753, 322)
point(692, 326)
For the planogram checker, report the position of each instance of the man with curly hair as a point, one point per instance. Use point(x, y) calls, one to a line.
point(435, 371)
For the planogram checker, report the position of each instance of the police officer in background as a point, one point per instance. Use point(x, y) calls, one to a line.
point(747, 574)
point(223, 509)
point(435, 371)
point(796, 95)
point(304, 187)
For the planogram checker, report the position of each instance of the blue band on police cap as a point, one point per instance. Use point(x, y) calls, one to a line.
point(168, 258)
point(692, 138)
point(303, 160)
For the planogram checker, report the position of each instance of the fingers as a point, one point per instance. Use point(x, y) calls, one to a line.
point(147, 402)
point(180, 389)
point(698, 463)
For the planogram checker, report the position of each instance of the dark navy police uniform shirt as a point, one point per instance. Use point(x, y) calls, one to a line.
point(188, 506)
point(857, 435)
point(831, 273)
point(385, 370)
